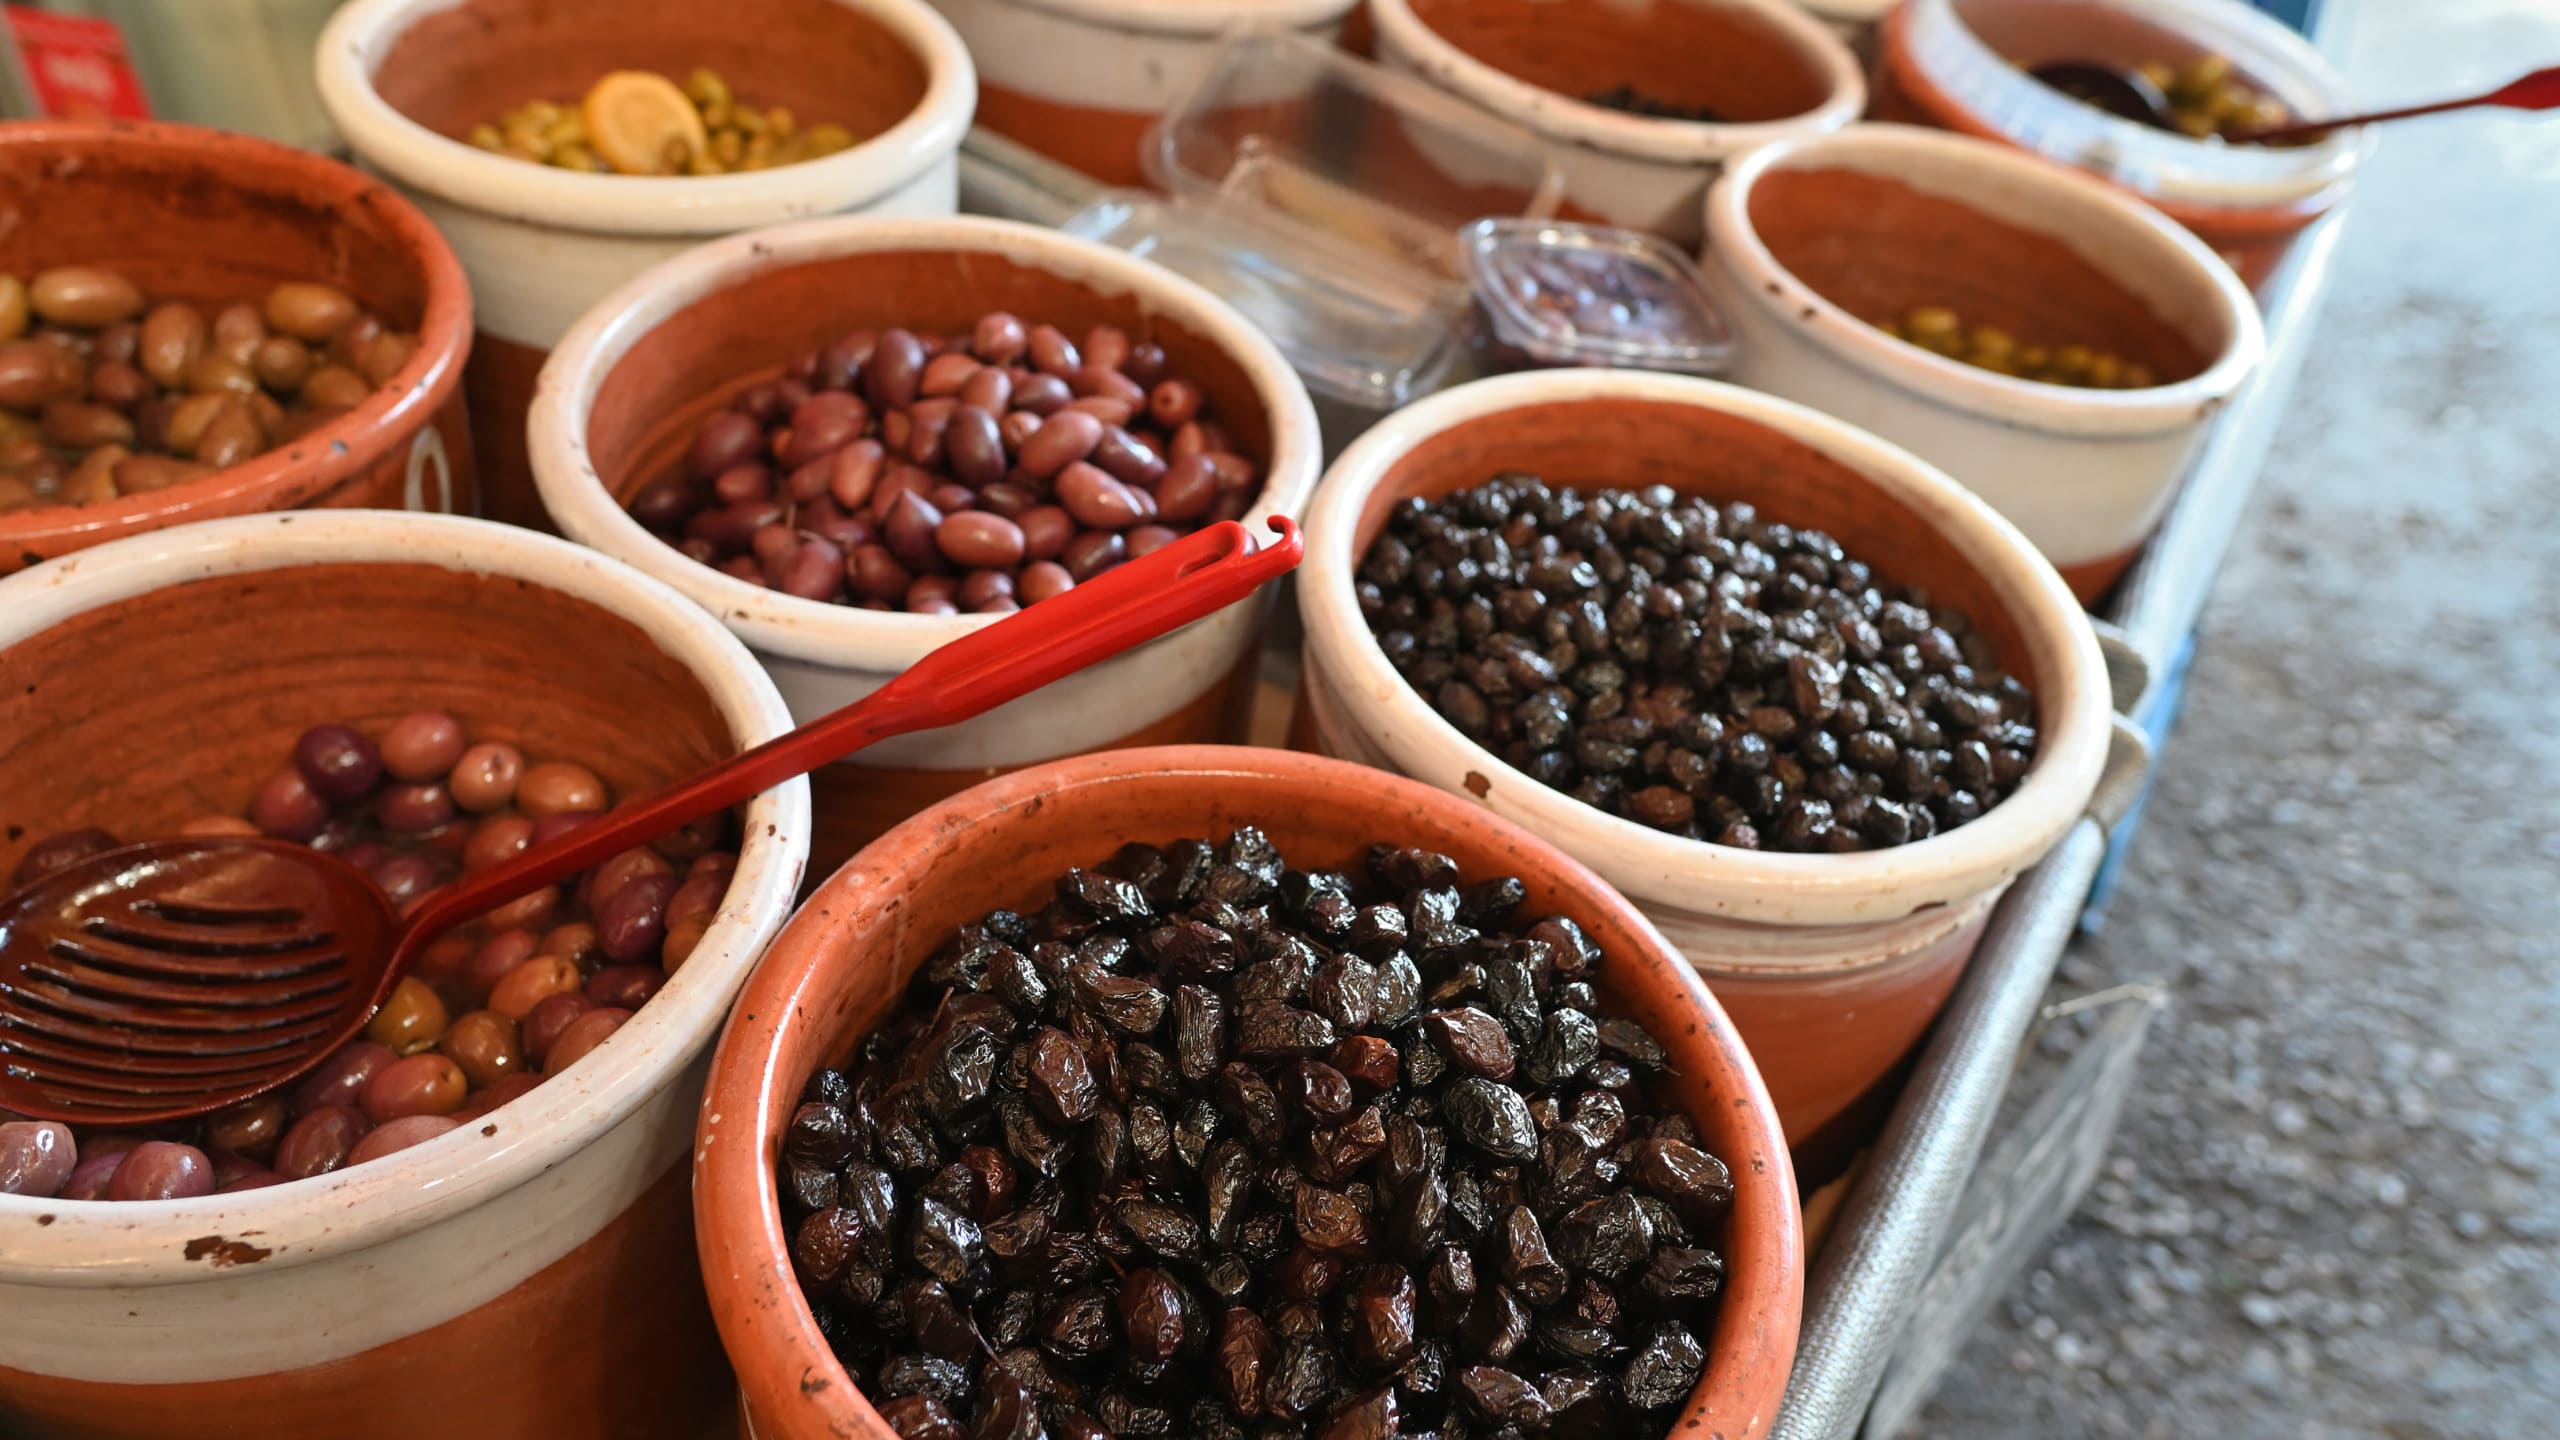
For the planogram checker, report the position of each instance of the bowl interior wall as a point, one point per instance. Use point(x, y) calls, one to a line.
point(210, 224)
point(1688, 53)
point(147, 712)
point(1880, 248)
point(824, 60)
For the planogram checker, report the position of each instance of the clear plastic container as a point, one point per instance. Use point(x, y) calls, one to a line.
point(1372, 334)
point(1345, 155)
point(1550, 294)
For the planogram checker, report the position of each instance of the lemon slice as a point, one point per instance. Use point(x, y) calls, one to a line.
point(637, 121)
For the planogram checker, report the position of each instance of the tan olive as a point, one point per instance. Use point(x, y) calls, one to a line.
point(142, 474)
point(84, 295)
point(17, 494)
point(308, 310)
point(75, 426)
point(237, 332)
point(119, 386)
point(216, 375)
point(351, 342)
point(94, 479)
point(188, 421)
point(13, 307)
point(334, 387)
point(33, 372)
point(173, 340)
point(388, 355)
point(234, 436)
point(281, 363)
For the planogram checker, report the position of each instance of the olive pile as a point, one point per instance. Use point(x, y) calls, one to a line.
point(2207, 98)
point(607, 133)
point(1695, 668)
point(1214, 1148)
point(1941, 331)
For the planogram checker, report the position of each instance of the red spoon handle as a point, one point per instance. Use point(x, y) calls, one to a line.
point(1195, 576)
point(2537, 91)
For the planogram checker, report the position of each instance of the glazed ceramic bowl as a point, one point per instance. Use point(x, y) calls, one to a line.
point(1810, 240)
point(845, 959)
point(405, 80)
point(1832, 966)
point(214, 218)
point(633, 381)
point(1766, 68)
point(531, 1274)
point(1081, 80)
point(1960, 65)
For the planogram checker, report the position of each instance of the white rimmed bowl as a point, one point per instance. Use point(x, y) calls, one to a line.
point(1810, 239)
point(1831, 965)
point(404, 80)
point(1775, 70)
point(528, 1274)
point(630, 383)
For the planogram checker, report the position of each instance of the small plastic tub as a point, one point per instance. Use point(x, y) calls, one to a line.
point(1764, 68)
point(632, 381)
point(530, 1274)
point(405, 80)
point(1551, 294)
point(1810, 242)
point(1961, 65)
point(845, 960)
point(1832, 966)
point(213, 218)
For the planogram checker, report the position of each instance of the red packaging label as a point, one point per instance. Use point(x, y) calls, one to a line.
point(75, 66)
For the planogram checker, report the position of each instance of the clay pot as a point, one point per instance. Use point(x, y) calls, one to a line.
point(1811, 239)
point(845, 959)
point(213, 218)
point(531, 1274)
point(405, 80)
point(1767, 68)
point(633, 381)
point(1832, 966)
point(1081, 80)
point(1960, 65)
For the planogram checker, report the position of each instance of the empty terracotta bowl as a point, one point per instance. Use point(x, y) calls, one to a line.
point(213, 218)
point(1832, 966)
point(845, 959)
point(1764, 68)
point(632, 382)
point(405, 80)
point(1811, 241)
point(530, 1274)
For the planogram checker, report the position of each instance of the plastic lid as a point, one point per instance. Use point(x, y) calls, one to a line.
point(1299, 136)
point(1372, 334)
point(1952, 41)
point(1565, 294)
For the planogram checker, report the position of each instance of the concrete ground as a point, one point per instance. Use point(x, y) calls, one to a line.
point(2331, 1211)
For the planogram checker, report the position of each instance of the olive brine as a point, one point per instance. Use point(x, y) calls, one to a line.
point(1212, 1147)
point(1695, 667)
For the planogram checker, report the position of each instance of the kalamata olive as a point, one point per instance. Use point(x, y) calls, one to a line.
point(1042, 580)
point(1097, 501)
point(288, 808)
point(974, 539)
point(36, 1157)
point(56, 851)
point(1046, 532)
point(742, 485)
point(1188, 489)
point(896, 366)
point(422, 1084)
point(532, 982)
point(252, 1127)
point(1091, 553)
point(413, 809)
point(725, 441)
point(575, 940)
point(948, 498)
point(495, 840)
point(632, 921)
point(1061, 440)
point(1148, 539)
point(823, 424)
point(973, 446)
point(998, 338)
point(395, 1135)
point(933, 595)
point(422, 745)
point(161, 1170)
point(548, 1020)
point(590, 1029)
point(910, 533)
point(875, 574)
point(90, 1178)
point(813, 571)
point(988, 388)
point(1051, 352)
point(624, 987)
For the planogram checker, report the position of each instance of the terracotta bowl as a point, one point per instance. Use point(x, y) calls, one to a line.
point(1832, 966)
point(213, 218)
point(1957, 65)
point(532, 1274)
point(632, 382)
point(1811, 240)
point(1081, 80)
point(845, 960)
point(1765, 67)
point(405, 80)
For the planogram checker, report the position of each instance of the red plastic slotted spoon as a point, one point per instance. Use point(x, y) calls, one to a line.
point(175, 977)
point(2537, 91)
